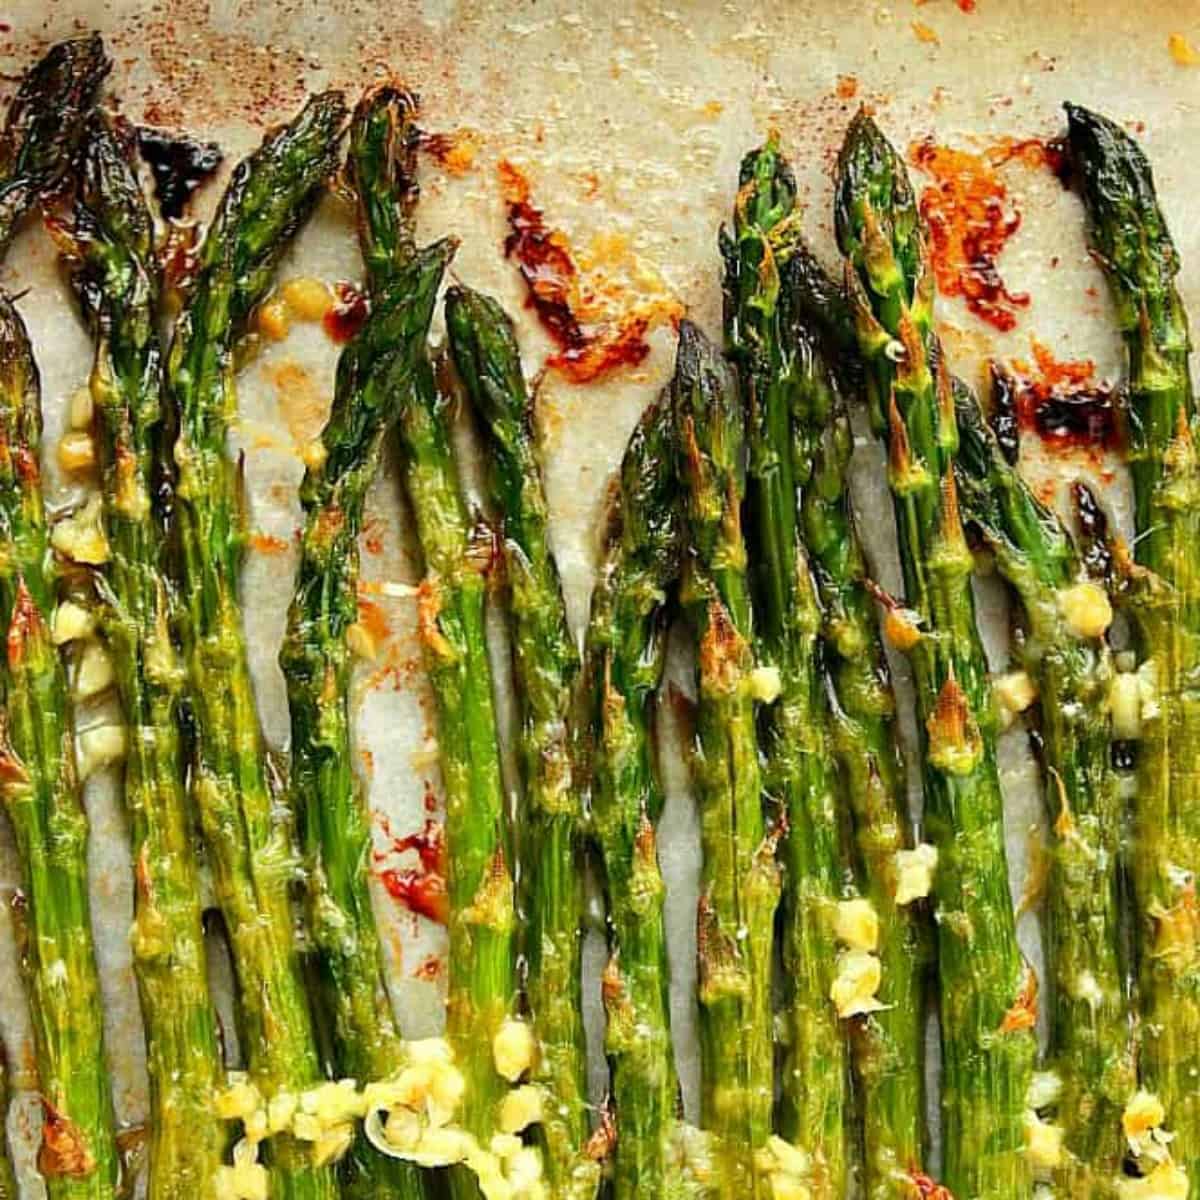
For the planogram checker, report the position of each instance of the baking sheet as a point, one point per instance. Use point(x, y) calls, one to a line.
point(629, 120)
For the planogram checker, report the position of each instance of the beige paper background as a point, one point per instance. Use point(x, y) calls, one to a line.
point(628, 118)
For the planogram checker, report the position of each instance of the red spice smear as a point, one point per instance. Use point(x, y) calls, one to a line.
point(373, 620)
point(967, 6)
point(970, 219)
point(544, 257)
point(349, 311)
point(1062, 402)
point(927, 1189)
point(429, 969)
point(268, 543)
point(421, 889)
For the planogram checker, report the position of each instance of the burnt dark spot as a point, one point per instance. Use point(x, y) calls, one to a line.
point(179, 166)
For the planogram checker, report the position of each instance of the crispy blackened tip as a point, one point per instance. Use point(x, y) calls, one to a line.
point(1002, 415)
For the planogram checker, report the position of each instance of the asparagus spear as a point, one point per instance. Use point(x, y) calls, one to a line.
point(888, 1044)
point(798, 765)
point(740, 881)
point(267, 200)
point(625, 652)
point(44, 125)
point(111, 252)
point(8, 1181)
point(1130, 238)
point(546, 665)
point(42, 795)
point(988, 992)
point(457, 551)
point(374, 374)
point(1062, 649)
point(37, 765)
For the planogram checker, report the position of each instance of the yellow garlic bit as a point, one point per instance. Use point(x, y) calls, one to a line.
point(513, 1049)
point(854, 988)
point(307, 299)
point(914, 872)
point(80, 537)
point(765, 684)
point(856, 925)
point(1043, 1143)
point(72, 622)
point(1086, 609)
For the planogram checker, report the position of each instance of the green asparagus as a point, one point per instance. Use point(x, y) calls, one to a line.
point(374, 373)
point(44, 124)
point(625, 652)
point(1130, 238)
point(888, 1045)
point(798, 766)
point(38, 778)
point(42, 795)
point(1061, 648)
point(111, 253)
point(546, 667)
point(987, 990)
point(8, 1181)
point(457, 552)
point(740, 880)
point(268, 198)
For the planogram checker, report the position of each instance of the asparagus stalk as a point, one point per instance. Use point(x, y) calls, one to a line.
point(546, 665)
point(111, 253)
point(1130, 238)
point(1062, 649)
point(625, 653)
point(457, 552)
point(267, 200)
point(988, 992)
point(8, 1181)
point(44, 124)
point(374, 374)
point(740, 880)
point(798, 766)
point(37, 765)
point(42, 794)
point(888, 1045)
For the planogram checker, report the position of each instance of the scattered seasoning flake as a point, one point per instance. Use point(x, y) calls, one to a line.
point(925, 34)
point(454, 151)
point(591, 317)
point(970, 220)
point(1059, 401)
point(847, 86)
point(349, 312)
point(1182, 50)
point(967, 6)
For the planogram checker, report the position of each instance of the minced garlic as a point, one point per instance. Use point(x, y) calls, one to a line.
point(71, 623)
point(513, 1049)
point(1086, 609)
point(80, 536)
point(765, 684)
point(1043, 1143)
point(856, 925)
point(914, 872)
point(858, 977)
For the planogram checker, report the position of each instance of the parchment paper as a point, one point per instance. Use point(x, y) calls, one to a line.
point(629, 119)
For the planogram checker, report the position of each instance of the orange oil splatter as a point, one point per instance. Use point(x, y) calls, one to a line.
point(971, 219)
point(594, 324)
